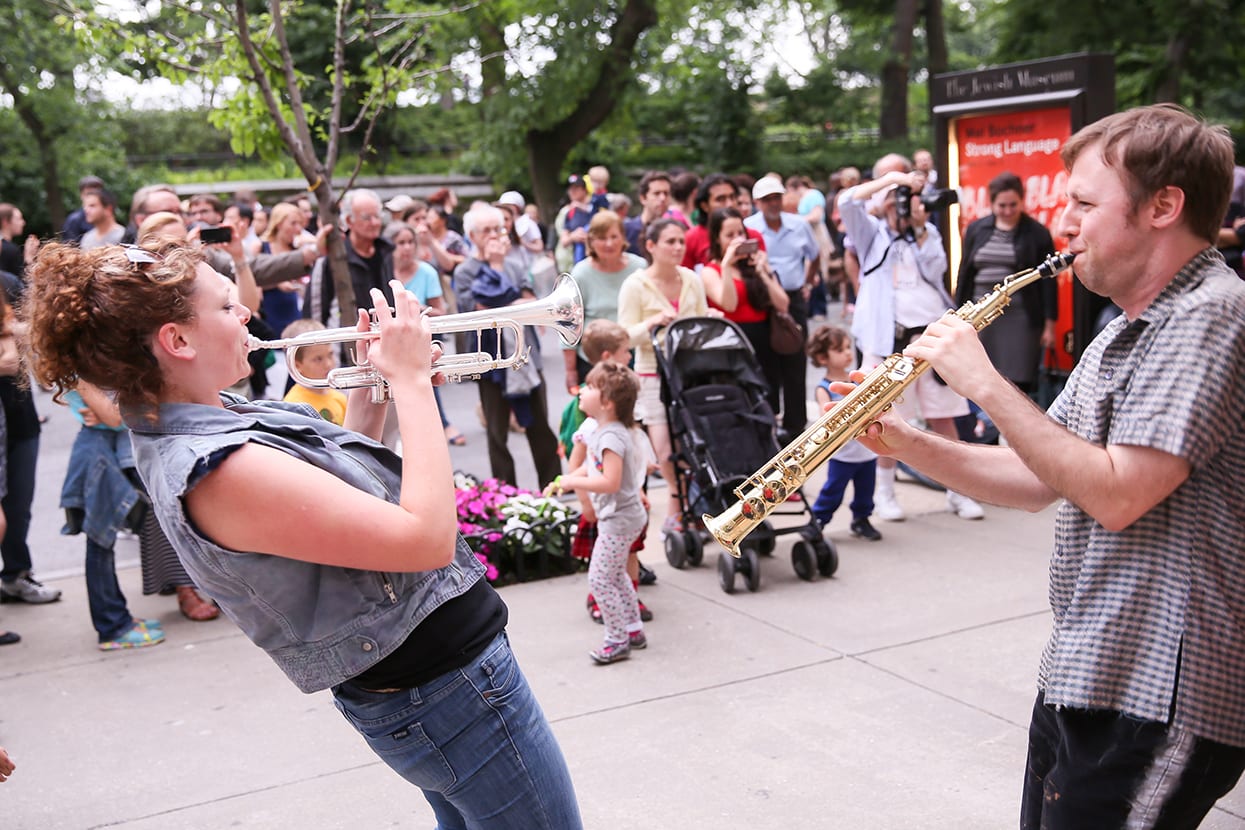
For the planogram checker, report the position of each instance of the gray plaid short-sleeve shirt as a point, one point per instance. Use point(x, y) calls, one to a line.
point(1150, 620)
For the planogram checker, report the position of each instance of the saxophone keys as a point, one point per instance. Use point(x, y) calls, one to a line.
point(752, 508)
point(775, 492)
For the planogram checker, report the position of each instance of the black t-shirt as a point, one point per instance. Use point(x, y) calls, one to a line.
point(449, 638)
point(19, 405)
point(11, 258)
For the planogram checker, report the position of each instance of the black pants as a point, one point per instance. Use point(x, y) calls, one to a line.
point(1101, 770)
point(540, 438)
point(22, 461)
point(787, 375)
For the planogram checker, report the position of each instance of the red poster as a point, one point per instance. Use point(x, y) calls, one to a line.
point(1027, 144)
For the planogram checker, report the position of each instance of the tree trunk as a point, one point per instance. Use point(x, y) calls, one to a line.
point(1167, 90)
point(55, 199)
point(935, 38)
point(343, 288)
point(895, 72)
point(493, 69)
point(548, 147)
point(544, 167)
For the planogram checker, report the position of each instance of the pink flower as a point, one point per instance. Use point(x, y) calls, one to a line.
point(491, 570)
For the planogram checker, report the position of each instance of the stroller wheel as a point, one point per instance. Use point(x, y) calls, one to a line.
point(827, 557)
point(726, 572)
point(752, 561)
point(676, 551)
point(695, 547)
point(804, 560)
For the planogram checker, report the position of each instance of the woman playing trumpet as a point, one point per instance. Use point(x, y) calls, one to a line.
point(361, 583)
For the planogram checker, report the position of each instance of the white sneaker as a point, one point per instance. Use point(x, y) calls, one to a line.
point(886, 508)
point(963, 506)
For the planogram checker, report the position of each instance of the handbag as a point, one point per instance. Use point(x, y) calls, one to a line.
point(785, 334)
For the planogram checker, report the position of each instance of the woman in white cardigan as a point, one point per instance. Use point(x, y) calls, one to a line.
point(649, 300)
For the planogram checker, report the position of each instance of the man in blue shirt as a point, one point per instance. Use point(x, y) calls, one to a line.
point(793, 256)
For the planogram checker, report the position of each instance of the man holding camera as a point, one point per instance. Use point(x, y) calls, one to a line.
point(902, 267)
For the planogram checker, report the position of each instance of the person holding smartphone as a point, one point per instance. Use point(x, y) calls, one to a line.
point(739, 281)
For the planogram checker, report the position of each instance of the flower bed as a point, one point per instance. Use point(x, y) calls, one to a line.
point(519, 535)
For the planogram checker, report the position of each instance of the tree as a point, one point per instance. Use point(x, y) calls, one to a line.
point(551, 72)
point(269, 112)
point(48, 146)
point(876, 43)
point(1175, 51)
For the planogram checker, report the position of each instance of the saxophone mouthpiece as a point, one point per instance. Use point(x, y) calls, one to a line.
point(1055, 263)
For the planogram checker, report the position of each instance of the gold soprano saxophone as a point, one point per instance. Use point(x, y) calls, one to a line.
point(786, 472)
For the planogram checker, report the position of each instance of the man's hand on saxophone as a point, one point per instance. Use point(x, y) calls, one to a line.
point(888, 434)
point(951, 346)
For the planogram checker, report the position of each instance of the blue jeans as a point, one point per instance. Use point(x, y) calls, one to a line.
point(23, 456)
point(862, 475)
point(109, 613)
point(475, 741)
point(436, 394)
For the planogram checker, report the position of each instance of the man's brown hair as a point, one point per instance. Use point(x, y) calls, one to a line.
point(1160, 146)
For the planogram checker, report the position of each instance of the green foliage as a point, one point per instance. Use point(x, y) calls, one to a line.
point(1165, 50)
point(52, 135)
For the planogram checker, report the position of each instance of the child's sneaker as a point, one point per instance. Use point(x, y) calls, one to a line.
point(645, 614)
point(137, 637)
point(636, 639)
point(862, 528)
point(611, 652)
point(594, 611)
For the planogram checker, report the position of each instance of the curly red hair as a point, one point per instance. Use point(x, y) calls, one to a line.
point(92, 315)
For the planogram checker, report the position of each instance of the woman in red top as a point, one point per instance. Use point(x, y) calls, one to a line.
point(741, 283)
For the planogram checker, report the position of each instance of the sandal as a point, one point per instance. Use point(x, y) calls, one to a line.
point(454, 437)
point(195, 607)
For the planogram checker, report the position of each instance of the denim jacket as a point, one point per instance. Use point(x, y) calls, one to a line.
point(97, 496)
point(322, 624)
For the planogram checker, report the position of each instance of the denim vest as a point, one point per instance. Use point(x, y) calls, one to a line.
point(322, 624)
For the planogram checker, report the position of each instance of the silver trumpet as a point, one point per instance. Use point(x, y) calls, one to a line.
point(563, 309)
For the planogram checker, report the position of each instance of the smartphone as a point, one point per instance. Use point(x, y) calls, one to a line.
point(211, 236)
point(747, 248)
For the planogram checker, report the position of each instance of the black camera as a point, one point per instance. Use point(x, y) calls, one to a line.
point(940, 199)
point(903, 201)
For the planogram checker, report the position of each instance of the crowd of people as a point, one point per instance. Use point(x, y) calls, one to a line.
point(145, 333)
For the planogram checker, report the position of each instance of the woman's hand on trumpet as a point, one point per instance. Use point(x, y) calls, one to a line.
point(405, 352)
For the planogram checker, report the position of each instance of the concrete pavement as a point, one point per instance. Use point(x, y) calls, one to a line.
point(895, 695)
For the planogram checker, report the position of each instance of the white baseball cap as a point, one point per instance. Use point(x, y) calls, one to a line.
point(399, 203)
point(511, 198)
point(766, 186)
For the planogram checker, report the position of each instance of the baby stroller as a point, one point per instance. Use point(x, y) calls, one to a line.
point(723, 431)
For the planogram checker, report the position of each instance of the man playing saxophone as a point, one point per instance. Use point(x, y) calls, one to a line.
point(1140, 714)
